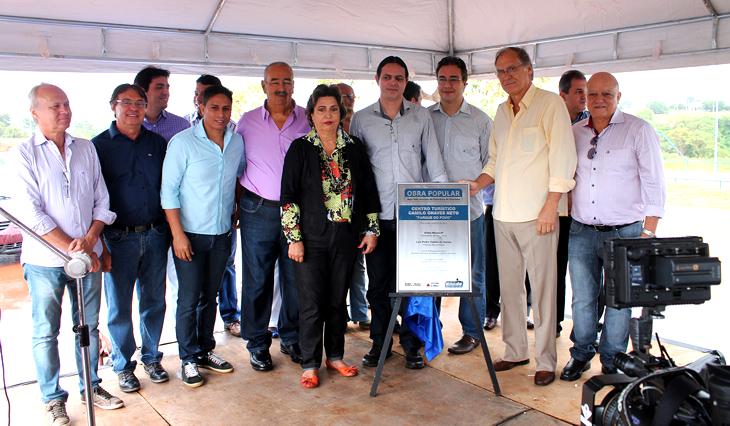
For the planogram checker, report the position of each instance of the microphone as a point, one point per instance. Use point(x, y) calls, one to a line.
point(78, 266)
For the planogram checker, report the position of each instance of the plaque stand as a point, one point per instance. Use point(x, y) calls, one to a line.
point(389, 336)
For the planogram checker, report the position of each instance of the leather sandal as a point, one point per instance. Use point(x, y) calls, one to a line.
point(346, 371)
point(309, 382)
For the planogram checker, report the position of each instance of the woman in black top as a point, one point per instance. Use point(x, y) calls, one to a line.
point(329, 210)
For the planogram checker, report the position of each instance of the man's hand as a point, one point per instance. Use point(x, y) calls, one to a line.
point(182, 248)
point(473, 187)
point(106, 259)
point(79, 244)
point(296, 251)
point(368, 243)
point(95, 265)
point(548, 217)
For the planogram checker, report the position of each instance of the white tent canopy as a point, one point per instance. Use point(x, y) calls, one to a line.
point(347, 39)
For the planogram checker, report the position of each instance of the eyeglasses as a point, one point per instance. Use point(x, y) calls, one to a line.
point(128, 103)
point(594, 148)
point(452, 80)
point(511, 70)
point(350, 97)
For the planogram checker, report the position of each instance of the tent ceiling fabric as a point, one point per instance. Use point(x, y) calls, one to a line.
point(346, 39)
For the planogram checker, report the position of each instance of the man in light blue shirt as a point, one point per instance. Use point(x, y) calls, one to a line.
point(198, 194)
point(463, 133)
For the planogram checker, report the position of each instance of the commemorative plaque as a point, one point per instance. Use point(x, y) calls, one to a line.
point(434, 247)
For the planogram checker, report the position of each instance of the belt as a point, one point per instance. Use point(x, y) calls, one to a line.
point(264, 201)
point(137, 228)
point(608, 228)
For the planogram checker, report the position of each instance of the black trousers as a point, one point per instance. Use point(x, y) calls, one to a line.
point(382, 274)
point(322, 280)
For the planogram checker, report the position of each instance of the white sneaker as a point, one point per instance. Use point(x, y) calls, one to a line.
point(104, 400)
point(57, 412)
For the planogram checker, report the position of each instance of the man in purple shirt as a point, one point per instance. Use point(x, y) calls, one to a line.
point(60, 194)
point(154, 82)
point(619, 193)
point(267, 133)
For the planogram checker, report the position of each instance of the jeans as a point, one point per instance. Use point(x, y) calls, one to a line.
point(46, 287)
point(466, 316)
point(358, 284)
point(585, 262)
point(262, 244)
point(228, 294)
point(137, 258)
point(199, 281)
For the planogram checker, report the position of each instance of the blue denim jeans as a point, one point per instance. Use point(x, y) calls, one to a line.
point(228, 294)
point(466, 317)
point(138, 259)
point(47, 286)
point(262, 243)
point(585, 263)
point(199, 282)
point(358, 283)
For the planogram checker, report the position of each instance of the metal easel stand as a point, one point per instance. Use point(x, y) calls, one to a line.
point(391, 325)
point(76, 266)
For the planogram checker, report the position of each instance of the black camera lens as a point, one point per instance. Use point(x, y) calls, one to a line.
point(630, 365)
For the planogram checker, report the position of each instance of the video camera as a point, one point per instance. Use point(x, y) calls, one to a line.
point(653, 273)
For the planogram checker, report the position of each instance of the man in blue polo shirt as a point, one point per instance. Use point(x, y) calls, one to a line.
point(199, 188)
point(136, 243)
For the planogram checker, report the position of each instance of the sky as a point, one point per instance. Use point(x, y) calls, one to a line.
point(89, 93)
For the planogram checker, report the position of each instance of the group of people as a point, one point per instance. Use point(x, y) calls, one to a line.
point(313, 192)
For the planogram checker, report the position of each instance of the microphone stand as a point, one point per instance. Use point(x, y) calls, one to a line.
point(76, 266)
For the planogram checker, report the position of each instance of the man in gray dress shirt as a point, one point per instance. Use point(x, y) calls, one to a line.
point(463, 133)
point(397, 134)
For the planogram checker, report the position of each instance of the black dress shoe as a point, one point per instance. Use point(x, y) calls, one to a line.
point(414, 360)
point(574, 369)
point(503, 365)
point(371, 358)
point(261, 361)
point(293, 350)
point(490, 323)
point(464, 345)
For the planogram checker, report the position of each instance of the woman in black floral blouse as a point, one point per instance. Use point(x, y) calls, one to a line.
point(329, 211)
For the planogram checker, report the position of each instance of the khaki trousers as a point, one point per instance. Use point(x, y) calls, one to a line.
point(521, 249)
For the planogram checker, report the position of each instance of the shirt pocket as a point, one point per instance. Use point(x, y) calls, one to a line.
point(529, 138)
point(466, 150)
point(410, 155)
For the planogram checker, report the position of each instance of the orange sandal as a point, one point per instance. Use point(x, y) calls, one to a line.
point(346, 371)
point(309, 382)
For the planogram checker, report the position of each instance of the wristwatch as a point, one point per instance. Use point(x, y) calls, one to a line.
point(648, 233)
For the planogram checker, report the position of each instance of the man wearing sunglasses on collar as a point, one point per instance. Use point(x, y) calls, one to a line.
point(619, 193)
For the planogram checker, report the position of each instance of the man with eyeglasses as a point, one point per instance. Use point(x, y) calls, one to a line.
point(358, 283)
point(348, 100)
point(532, 162)
point(619, 193)
point(462, 131)
point(268, 131)
point(398, 135)
point(136, 243)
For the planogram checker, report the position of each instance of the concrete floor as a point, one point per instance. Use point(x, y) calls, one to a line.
point(451, 390)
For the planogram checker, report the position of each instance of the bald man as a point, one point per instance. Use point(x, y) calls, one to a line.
point(619, 193)
point(59, 192)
